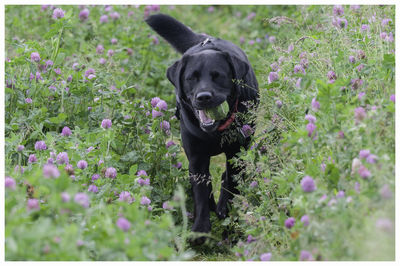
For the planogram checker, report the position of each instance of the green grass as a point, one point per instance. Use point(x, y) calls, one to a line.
point(358, 226)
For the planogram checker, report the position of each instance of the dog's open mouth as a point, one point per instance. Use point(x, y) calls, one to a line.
point(209, 117)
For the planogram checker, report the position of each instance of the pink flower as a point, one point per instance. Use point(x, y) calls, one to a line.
point(359, 113)
point(82, 164)
point(364, 172)
point(308, 184)
point(82, 199)
point(104, 19)
point(123, 224)
point(162, 105)
point(10, 183)
point(111, 172)
point(145, 200)
point(35, 57)
point(315, 105)
point(32, 204)
point(66, 132)
point(58, 13)
point(273, 76)
point(289, 222)
point(265, 256)
point(84, 14)
point(106, 123)
point(50, 170)
point(126, 196)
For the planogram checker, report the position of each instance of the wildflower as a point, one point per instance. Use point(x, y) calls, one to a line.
point(289, 223)
point(154, 101)
point(82, 199)
point(141, 173)
point(310, 118)
point(178, 165)
point(114, 41)
point(66, 132)
point(254, 184)
point(123, 224)
point(79, 243)
point(145, 200)
point(104, 19)
point(364, 172)
point(32, 204)
point(392, 98)
point(210, 9)
point(89, 72)
point(340, 194)
point(299, 68)
point(65, 197)
point(126, 196)
point(162, 105)
point(111, 172)
point(102, 61)
point(155, 113)
point(155, 40)
point(307, 184)
point(170, 143)
point(165, 126)
point(50, 170)
point(359, 113)
point(20, 147)
point(110, 52)
point(32, 158)
point(273, 76)
point(360, 95)
point(114, 15)
point(364, 154)
point(304, 62)
point(364, 27)
point(250, 239)
point(278, 103)
point(106, 123)
point(99, 49)
point(82, 164)
point(246, 131)
point(361, 54)
point(331, 76)
point(337, 10)
point(385, 21)
point(356, 83)
point(315, 104)
point(265, 256)
point(35, 57)
point(251, 16)
point(310, 127)
point(84, 14)
point(271, 39)
point(274, 66)
point(143, 182)
point(305, 255)
point(58, 13)
point(360, 67)
point(385, 192)
point(10, 183)
point(166, 206)
point(93, 188)
point(352, 59)
point(305, 220)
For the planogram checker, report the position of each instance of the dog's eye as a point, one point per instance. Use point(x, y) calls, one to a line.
point(214, 75)
point(194, 76)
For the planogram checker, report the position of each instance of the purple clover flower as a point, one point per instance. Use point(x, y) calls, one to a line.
point(155, 113)
point(162, 105)
point(84, 14)
point(110, 52)
point(278, 103)
point(40, 145)
point(305, 255)
point(308, 184)
point(273, 76)
point(372, 158)
point(145, 200)
point(114, 15)
point(310, 127)
point(337, 10)
point(66, 132)
point(93, 188)
point(99, 49)
point(111, 172)
point(265, 256)
point(95, 177)
point(58, 13)
point(359, 114)
point(305, 220)
point(141, 173)
point(352, 59)
point(20, 147)
point(154, 101)
point(246, 131)
point(82, 199)
point(364, 172)
point(340, 194)
point(165, 126)
point(364, 154)
point(35, 57)
point(123, 224)
point(114, 41)
point(289, 222)
point(82, 164)
point(106, 123)
point(331, 76)
point(28, 100)
point(104, 19)
point(126, 196)
point(392, 98)
point(10, 183)
point(166, 206)
point(32, 204)
point(178, 165)
point(143, 182)
point(254, 184)
point(32, 158)
point(50, 171)
point(170, 143)
point(299, 68)
point(310, 118)
point(315, 104)
point(250, 239)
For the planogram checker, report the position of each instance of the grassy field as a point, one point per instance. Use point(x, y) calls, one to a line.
point(94, 165)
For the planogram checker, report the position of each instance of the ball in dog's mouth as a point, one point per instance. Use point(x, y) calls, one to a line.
point(209, 116)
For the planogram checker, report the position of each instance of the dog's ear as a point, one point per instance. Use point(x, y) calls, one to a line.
point(174, 74)
point(239, 67)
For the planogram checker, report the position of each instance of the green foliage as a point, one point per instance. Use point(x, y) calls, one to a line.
point(282, 152)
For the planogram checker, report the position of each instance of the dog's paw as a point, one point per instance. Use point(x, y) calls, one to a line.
point(222, 210)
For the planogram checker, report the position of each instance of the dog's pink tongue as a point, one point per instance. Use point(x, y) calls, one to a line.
point(204, 118)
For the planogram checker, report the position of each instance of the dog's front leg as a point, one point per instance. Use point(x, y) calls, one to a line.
point(202, 192)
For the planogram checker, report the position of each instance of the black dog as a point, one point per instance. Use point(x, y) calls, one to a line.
point(210, 72)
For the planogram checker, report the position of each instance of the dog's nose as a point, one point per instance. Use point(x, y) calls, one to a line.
point(203, 96)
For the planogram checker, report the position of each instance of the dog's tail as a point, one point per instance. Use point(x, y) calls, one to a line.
point(174, 32)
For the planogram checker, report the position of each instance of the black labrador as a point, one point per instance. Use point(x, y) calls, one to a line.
point(210, 72)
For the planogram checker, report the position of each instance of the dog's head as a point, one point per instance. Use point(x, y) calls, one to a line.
point(205, 80)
